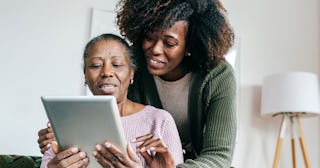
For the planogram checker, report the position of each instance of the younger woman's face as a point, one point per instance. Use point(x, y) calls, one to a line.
point(165, 50)
point(108, 70)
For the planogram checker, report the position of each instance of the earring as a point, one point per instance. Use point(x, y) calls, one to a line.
point(188, 54)
point(131, 81)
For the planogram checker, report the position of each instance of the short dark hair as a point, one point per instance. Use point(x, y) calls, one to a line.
point(107, 37)
point(209, 35)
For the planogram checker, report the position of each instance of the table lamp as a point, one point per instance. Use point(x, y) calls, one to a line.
point(291, 95)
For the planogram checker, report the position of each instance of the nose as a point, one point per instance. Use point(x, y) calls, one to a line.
point(107, 71)
point(157, 48)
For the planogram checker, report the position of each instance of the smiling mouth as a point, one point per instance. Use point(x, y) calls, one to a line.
point(154, 60)
point(107, 86)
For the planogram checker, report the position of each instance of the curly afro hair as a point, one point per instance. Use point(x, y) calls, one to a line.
point(209, 35)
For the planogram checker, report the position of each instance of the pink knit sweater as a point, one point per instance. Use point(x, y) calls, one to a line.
point(150, 120)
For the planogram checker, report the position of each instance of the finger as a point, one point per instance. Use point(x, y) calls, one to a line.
point(50, 136)
point(159, 149)
point(81, 163)
point(49, 129)
point(153, 142)
point(131, 154)
point(101, 160)
point(44, 143)
point(142, 138)
point(55, 147)
point(44, 148)
point(73, 160)
point(67, 153)
point(119, 158)
point(115, 152)
point(42, 132)
point(146, 157)
point(103, 151)
point(104, 156)
point(49, 125)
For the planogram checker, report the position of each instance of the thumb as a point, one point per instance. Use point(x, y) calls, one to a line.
point(131, 154)
point(48, 125)
point(55, 147)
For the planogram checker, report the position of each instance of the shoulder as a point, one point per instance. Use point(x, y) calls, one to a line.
point(223, 71)
point(220, 82)
point(157, 113)
point(158, 116)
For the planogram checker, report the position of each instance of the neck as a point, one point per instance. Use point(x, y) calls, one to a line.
point(128, 107)
point(176, 74)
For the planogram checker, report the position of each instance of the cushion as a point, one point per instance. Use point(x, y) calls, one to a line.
point(17, 161)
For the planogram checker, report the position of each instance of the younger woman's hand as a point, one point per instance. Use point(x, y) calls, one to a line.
point(159, 155)
point(46, 136)
point(108, 155)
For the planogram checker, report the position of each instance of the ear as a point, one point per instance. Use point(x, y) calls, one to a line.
point(187, 53)
point(131, 76)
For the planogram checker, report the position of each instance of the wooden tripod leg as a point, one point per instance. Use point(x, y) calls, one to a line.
point(302, 144)
point(292, 143)
point(279, 143)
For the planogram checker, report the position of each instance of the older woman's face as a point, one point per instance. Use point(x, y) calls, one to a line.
point(165, 50)
point(108, 70)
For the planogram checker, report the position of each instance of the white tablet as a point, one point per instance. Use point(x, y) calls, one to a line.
point(84, 121)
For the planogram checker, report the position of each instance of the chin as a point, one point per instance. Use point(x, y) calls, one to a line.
point(156, 72)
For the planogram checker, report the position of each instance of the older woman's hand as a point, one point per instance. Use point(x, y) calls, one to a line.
point(108, 155)
point(71, 158)
point(46, 136)
point(159, 156)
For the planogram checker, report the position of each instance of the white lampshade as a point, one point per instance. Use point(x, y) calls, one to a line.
point(293, 92)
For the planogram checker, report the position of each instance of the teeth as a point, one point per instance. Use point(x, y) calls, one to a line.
point(107, 86)
point(154, 62)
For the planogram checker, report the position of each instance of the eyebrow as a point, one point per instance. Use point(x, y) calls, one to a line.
point(101, 58)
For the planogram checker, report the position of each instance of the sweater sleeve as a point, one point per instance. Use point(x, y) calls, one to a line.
point(219, 105)
point(48, 155)
point(171, 138)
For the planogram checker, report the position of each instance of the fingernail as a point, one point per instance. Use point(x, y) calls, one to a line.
point(142, 149)
point(48, 146)
point(152, 148)
point(107, 145)
point(86, 160)
point(134, 140)
point(82, 154)
point(98, 147)
point(94, 153)
point(74, 150)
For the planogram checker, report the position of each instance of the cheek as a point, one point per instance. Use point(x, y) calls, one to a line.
point(176, 57)
point(145, 46)
point(91, 76)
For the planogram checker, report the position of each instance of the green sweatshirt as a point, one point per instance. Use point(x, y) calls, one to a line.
point(211, 112)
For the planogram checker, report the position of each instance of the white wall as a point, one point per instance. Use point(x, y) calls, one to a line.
point(41, 46)
point(276, 36)
point(41, 50)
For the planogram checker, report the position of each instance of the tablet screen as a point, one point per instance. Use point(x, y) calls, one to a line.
point(84, 121)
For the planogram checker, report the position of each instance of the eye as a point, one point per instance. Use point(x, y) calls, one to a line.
point(147, 38)
point(95, 65)
point(168, 44)
point(117, 63)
